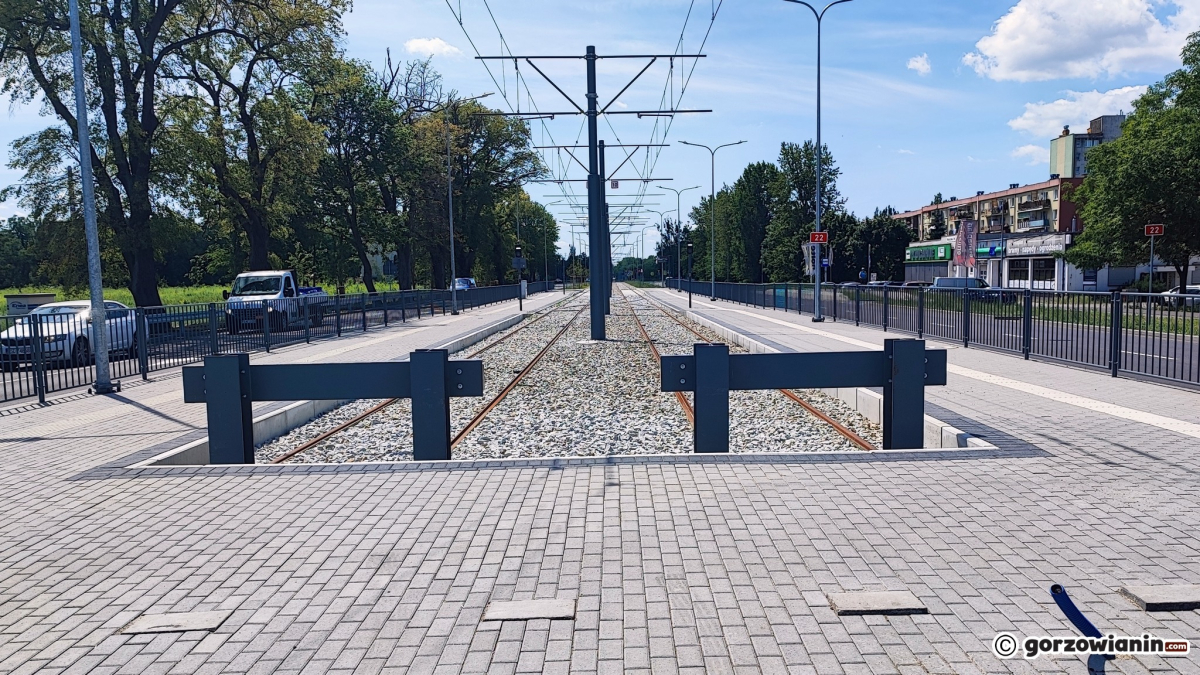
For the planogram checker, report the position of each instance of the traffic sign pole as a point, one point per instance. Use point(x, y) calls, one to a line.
point(1153, 231)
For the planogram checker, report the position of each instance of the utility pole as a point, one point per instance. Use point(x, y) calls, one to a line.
point(99, 332)
point(817, 277)
point(600, 255)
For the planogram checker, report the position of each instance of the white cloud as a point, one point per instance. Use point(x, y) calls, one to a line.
point(1036, 154)
point(1046, 120)
point(431, 47)
point(902, 151)
point(920, 64)
point(1052, 39)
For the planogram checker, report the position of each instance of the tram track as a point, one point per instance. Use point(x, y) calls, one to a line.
point(817, 412)
point(373, 410)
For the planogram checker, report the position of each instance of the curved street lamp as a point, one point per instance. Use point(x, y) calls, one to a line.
point(712, 207)
point(679, 222)
point(817, 278)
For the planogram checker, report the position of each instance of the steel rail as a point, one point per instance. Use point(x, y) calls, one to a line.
point(841, 428)
point(688, 411)
point(324, 436)
point(478, 419)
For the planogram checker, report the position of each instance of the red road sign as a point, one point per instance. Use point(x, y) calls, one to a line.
point(1155, 230)
point(818, 237)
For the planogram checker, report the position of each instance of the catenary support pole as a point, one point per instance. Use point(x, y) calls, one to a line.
point(99, 332)
point(595, 225)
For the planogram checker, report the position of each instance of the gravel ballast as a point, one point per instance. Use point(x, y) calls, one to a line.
point(583, 399)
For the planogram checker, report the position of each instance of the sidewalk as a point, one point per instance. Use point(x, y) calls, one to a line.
point(690, 567)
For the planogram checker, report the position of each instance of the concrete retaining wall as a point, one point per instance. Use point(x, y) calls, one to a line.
point(938, 434)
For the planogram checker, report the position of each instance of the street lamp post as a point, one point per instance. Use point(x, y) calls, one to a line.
point(712, 208)
point(817, 278)
point(679, 223)
point(444, 108)
point(103, 383)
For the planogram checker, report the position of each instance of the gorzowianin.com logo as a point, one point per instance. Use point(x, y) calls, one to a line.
point(1007, 645)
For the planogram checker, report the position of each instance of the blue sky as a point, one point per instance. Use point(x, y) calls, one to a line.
point(918, 97)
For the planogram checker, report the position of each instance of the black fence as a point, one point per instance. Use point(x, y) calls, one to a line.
point(1149, 335)
point(54, 352)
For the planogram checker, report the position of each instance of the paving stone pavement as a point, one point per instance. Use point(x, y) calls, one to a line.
point(699, 566)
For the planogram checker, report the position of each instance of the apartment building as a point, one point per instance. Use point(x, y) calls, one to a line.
point(1068, 152)
point(1019, 231)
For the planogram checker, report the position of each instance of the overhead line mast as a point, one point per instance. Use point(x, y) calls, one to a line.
point(598, 221)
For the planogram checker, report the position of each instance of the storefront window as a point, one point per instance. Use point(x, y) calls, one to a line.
point(1043, 273)
point(1018, 273)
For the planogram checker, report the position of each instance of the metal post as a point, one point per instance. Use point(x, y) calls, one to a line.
point(363, 300)
point(143, 343)
point(885, 309)
point(904, 395)
point(266, 324)
point(606, 236)
point(450, 217)
point(1027, 324)
point(966, 316)
point(227, 397)
point(689, 249)
point(430, 405)
point(1114, 359)
point(920, 312)
point(213, 346)
point(857, 304)
point(595, 260)
point(711, 431)
point(819, 16)
point(38, 357)
point(1150, 280)
point(337, 309)
point(307, 319)
point(103, 383)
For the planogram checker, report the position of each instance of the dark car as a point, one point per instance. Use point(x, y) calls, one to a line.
point(984, 290)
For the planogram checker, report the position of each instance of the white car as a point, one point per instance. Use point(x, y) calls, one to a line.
point(65, 330)
point(1176, 298)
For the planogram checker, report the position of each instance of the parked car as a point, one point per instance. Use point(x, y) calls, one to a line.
point(65, 330)
point(276, 295)
point(1179, 297)
point(464, 283)
point(973, 283)
point(916, 284)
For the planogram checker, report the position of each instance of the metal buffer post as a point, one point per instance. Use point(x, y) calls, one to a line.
point(904, 368)
point(228, 384)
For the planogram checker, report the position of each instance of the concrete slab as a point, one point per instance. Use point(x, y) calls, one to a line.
point(176, 622)
point(882, 602)
point(525, 610)
point(1179, 598)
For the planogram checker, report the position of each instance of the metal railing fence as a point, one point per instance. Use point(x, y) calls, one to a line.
point(53, 353)
point(1149, 335)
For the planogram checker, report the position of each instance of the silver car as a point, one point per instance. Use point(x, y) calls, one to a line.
point(65, 332)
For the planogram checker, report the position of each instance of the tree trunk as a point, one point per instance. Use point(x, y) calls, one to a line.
point(404, 265)
point(364, 259)
point(260, 239)
point(438, 266)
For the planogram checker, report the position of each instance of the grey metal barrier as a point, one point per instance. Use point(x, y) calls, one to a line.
point(228, 384)
point(904, 368)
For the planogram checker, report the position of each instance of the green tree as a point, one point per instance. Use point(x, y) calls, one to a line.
point(752, 205)
point(127, 50)
point(17, 257)
point(937, 222)
point(877, 245)
point(795, 214)
point(1150, 174)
